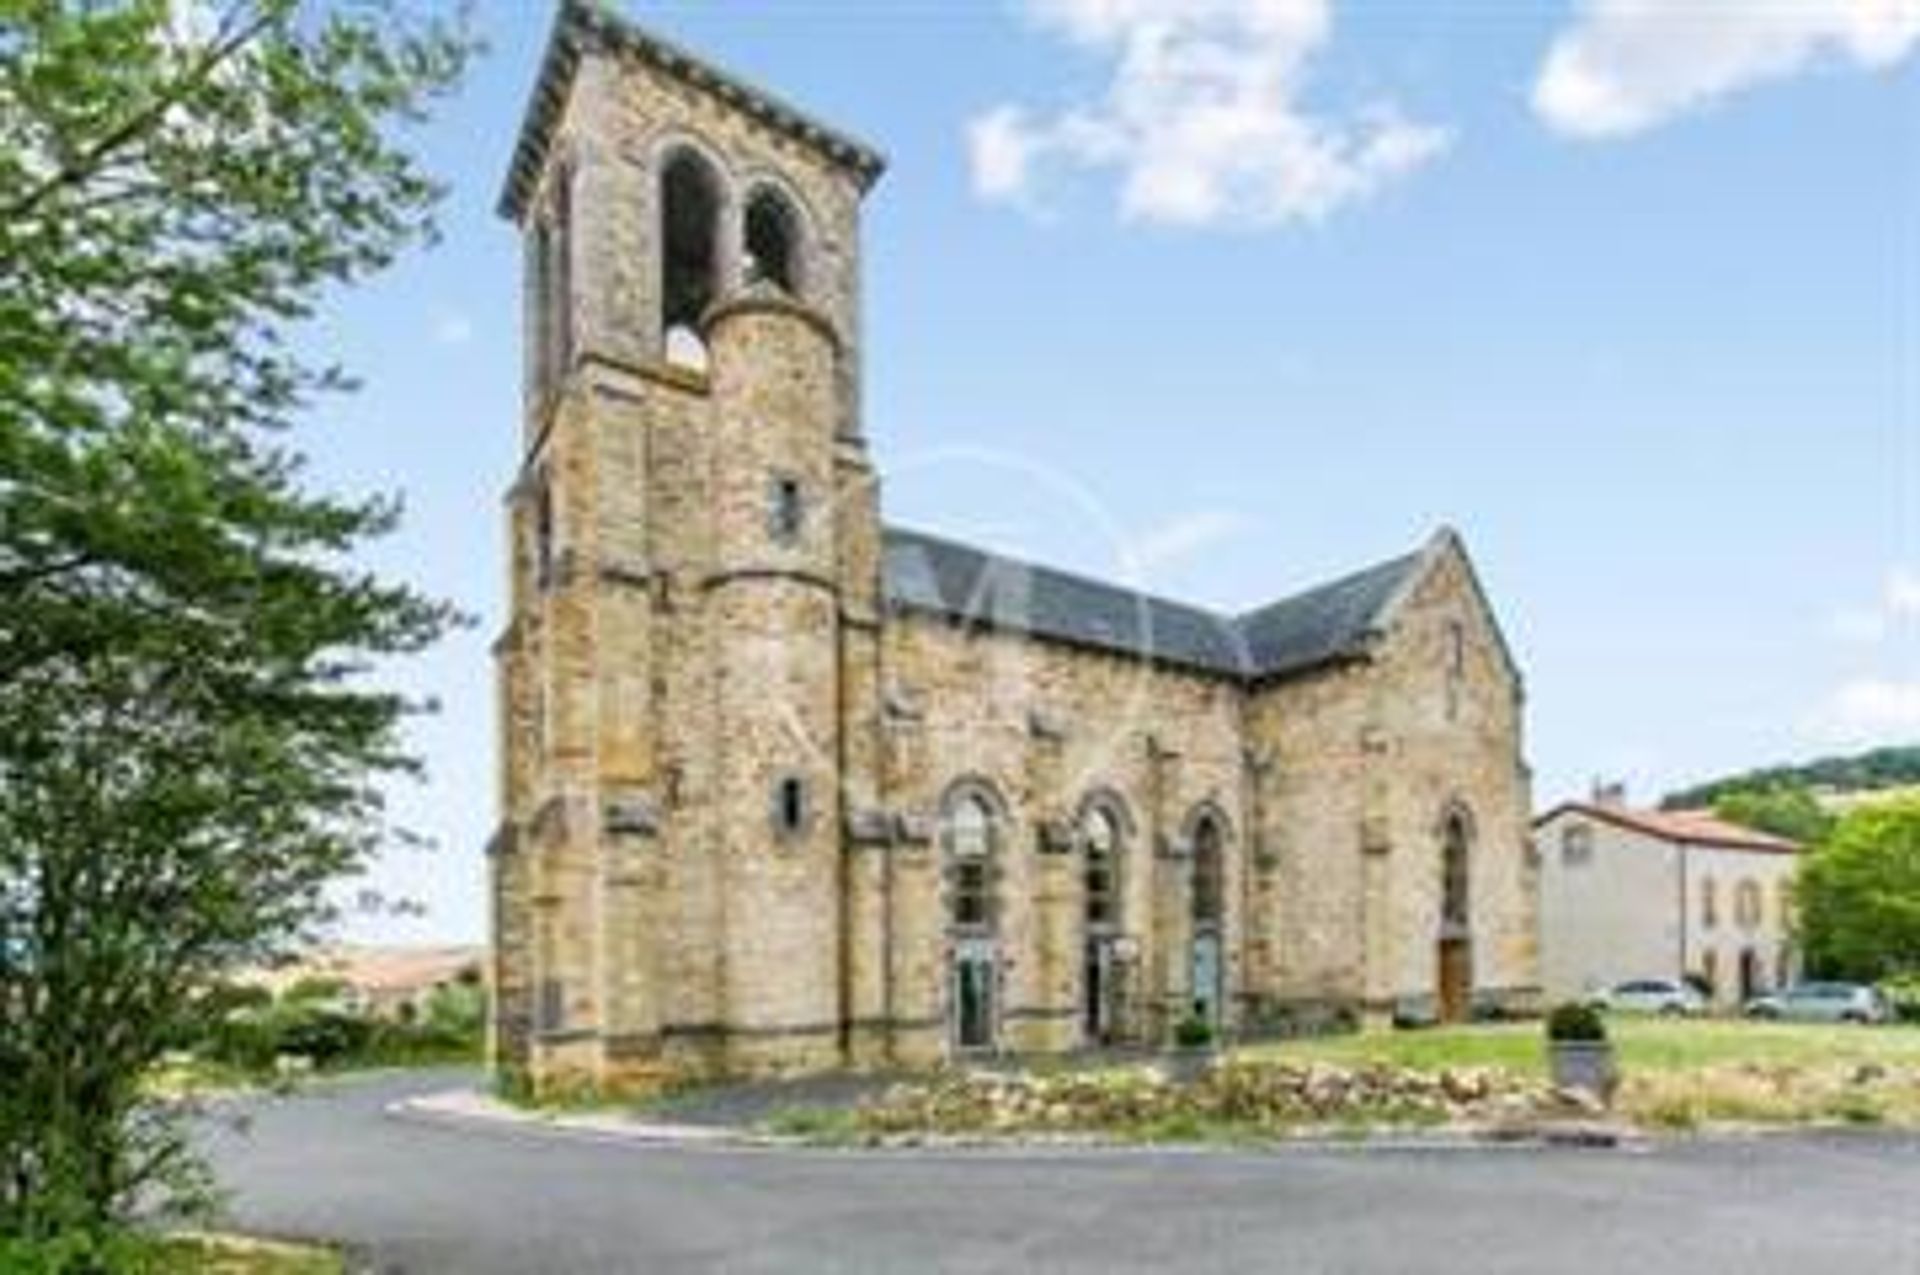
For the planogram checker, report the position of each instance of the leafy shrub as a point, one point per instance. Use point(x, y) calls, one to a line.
point(1193, 1033)
point(1903, 997)
point(1575, 1022)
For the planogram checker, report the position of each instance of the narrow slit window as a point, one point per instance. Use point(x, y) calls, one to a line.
point(790, 806)
point(787, 515)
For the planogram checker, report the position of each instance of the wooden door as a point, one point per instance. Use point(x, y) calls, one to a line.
point(1456, 980)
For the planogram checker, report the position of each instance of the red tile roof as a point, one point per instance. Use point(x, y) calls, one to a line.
point(1688, 827)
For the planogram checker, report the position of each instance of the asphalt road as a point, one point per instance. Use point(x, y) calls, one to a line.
point(417, 1198)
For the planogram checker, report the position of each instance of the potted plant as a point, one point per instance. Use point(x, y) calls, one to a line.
point(1193, 1042)
point(1579, 1051)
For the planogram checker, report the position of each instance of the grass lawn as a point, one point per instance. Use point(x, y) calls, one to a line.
point(1643, 1044)
point(223, 1255)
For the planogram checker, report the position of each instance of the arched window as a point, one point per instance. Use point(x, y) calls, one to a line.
point(689, 253)
point(1101, 832)
point(971, 837)
point(1209, 893)
point(1456, 897)
point(773, 240)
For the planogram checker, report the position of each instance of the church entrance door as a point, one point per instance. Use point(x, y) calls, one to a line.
point(972, 1005)
point(1456, 980)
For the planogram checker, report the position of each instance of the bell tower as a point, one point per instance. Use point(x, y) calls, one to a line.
point(689, 675)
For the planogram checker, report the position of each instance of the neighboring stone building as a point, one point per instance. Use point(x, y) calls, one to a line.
point(787, 788)
point(1634, 894)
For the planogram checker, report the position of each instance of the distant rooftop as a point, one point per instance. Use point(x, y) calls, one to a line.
point(1683, 827)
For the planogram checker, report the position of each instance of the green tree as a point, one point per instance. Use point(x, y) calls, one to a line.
point(1859, 894)
point(192, 737)
point(1782, 808)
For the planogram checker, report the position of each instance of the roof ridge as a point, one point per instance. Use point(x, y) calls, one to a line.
point(1403, 560)
point(1287, 637)
point(1064, 573)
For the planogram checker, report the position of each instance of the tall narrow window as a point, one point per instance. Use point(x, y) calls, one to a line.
point(773, 241)
point(1709, 903)
point(543, 552)
point(1102, 837)
point(689, 259)
point(1208, 901)
point(560, 274)
point(970, 842)
point(539, 307)
point(1455, 879)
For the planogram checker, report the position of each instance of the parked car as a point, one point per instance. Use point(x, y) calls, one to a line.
point(1822, 1003)
point(1665, 996)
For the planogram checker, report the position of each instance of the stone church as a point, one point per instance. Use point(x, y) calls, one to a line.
point(786, 787)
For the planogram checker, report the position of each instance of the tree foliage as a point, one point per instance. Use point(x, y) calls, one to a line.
point(1859, 894)
point(190, 735)
point(1784, 809)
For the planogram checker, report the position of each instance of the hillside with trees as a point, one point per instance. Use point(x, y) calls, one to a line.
point(1873, 771)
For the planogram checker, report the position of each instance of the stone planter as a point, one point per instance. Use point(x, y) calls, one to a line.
point(1583, 1064)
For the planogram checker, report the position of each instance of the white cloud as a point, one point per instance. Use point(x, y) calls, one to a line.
point(1181, 538)
point(1202, 117)
point(1628, 65)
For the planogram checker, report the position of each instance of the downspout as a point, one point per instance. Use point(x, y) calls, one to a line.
point(1685, 911)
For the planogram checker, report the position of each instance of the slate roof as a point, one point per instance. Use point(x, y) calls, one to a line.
point(582, 26)
point(1335, 621)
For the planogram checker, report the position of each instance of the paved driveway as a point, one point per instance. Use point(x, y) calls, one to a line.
point(419, 1198)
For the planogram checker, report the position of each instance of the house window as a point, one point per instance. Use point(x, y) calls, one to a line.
point(970, 846)
point(1576, 846)
point(1748, 905)
point(1709, 903)
point(1456, 648)
point(786, 511)
point(1101, 834)
point(790, 806)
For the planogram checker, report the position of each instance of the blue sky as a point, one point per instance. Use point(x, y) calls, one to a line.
point(1230, 296)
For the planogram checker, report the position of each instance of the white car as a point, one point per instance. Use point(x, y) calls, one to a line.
point(1822, 1003)
point(1667, 997)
